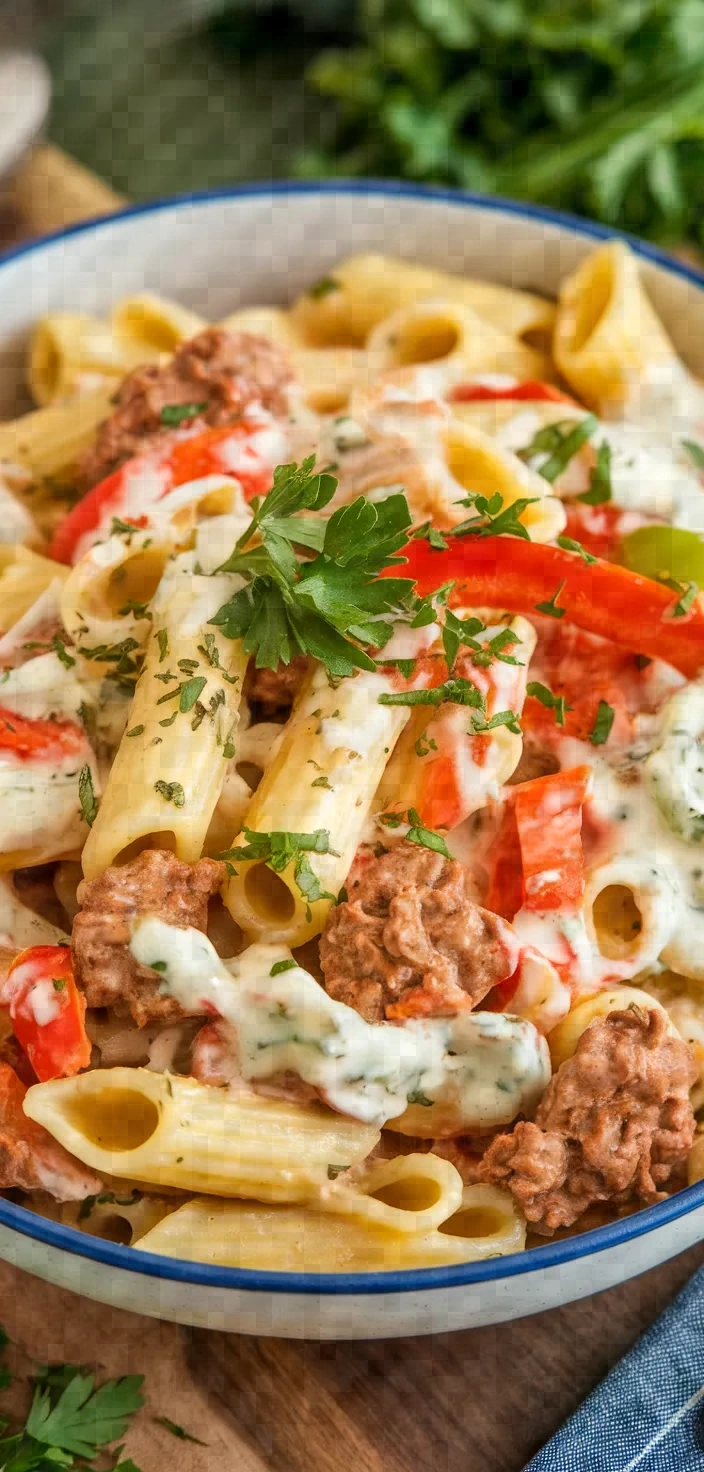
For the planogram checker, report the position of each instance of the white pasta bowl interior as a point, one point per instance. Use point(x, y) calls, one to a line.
point(213, 254)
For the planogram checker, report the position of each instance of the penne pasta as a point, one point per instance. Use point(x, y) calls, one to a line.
point(173, 1131)
point(166, 778)
point(240, 1234)
point(71, 354)
point(413, 1193)
point(50, 441)
point(446, 342)
point(24, 576)
point(339, 740)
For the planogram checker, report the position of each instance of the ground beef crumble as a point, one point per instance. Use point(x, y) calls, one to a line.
point(224, 371)
point(410, 942)
point(155, 883)
point(614, 1124)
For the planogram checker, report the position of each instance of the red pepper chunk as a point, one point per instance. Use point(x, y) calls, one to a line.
point(601, 597)
point(47, 1011)
point(530, 390)
point(549, 822)
point(27, 736)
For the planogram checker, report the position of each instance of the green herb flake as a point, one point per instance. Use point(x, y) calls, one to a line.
point(570, 545)
point(162, 639)
point(601, 730)
point(280, 966)
point(174, 414)
point(323, 287)
point(171, 792)
point(135, 731)
point(600, 488)
point(86, 796)
point(556, 703)
point(426, 837)
point(695, 452)
point(551, 607)
point(417, 1097)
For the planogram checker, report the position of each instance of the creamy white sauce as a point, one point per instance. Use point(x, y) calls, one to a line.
point(487, 1065)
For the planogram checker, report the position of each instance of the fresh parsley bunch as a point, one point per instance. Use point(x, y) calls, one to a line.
point(328, 604)
point(592, 105)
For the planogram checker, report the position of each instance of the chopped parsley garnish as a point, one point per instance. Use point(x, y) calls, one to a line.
point(159, 965)
point(178, 1431)
point(416, 1097)
point(174, 414)
point(458, 632)
point(425, 744)
point(139, 610)
point(323, 287)
point(481, 727)
point(209, 650)
point(162, 639)
point(119, 528)
point(86, 795)
point(684, 603)
point(453, 691)
point(188, 692)
point(171, 792)
point(570, 545)
point(561, 442)
point(107, 1198)
point(391, 820)
point(136, 731)
point(58, 983)
point(426, 837)
point(600, 488)
point(278, 850)
point(695, 452)
point(322, 782)
point(602, 726)
point(405, 667)
point(280, 966)
point(494, 519)
point(56, 646)
point(549, 700)
point(118, 654)
point(333, 605)
point(429, 533)
point(551, 607)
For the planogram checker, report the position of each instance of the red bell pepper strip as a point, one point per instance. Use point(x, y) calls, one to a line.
point(549, 823)
point(601, 597)
point(531, 389)
point(27, 736)
point(47, 1011)
point(149, 477)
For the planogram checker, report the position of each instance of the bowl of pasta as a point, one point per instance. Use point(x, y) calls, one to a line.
point(351, 724)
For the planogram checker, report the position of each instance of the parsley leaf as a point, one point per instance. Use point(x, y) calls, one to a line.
point(417, 1097)
point(549, 700)
point(323, 287)
point(494, 518)
point(425, 744)
point(280, 966)
point(426, 837)
point(551, 607)
point(684, 603)
point(602, 726)
point(561, 442)
point(280, 849)
point(571, 546)
point(600, 488)
point(174, 1427)
point(171, 792)
point(453, 691)
point(84, 1419)
point(174, 414)
point(695, 452)
point(86, 796)
point(480, 726)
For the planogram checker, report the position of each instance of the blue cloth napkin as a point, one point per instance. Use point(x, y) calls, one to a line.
point(648, 1414)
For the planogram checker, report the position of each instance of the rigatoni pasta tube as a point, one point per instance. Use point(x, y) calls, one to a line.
point(106, 585)
point(146, 324)
point(166, 778)
point(345, 306)
point(478, 463)
point(70, 354)
point(449, 342)
point(50, 441)
point(248, 1235)
point(173, 1131)
point(609, 340)
point(324, 776)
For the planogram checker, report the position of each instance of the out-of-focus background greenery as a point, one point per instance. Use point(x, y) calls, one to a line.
point(592, 105)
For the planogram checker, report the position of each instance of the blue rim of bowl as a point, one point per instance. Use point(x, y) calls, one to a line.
point(27, 1223)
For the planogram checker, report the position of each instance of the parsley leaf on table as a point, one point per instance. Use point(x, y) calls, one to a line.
point(83, 1418)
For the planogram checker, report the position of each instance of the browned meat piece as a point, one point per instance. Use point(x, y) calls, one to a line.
point(614, 1124)
point(410, 942)
point(225, 371)
point(155, 883)
point(275, 690)
point(29, 1157)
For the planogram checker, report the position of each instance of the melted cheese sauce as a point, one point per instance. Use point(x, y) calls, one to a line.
point(488, 1065)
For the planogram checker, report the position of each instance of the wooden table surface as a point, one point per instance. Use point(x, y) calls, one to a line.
point(479, 1401)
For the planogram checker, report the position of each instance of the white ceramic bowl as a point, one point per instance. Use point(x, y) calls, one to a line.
point(264, 244)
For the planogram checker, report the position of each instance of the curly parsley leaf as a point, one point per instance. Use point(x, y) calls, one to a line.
point(494, 519)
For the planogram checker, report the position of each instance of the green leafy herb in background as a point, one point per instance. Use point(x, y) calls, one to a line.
point(586, 104)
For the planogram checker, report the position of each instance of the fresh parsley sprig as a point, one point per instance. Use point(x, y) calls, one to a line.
point(332, 604)
point(494, 519)
point(560, 443)
point(278, 850)
point(452, 692)
point(457, 632)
